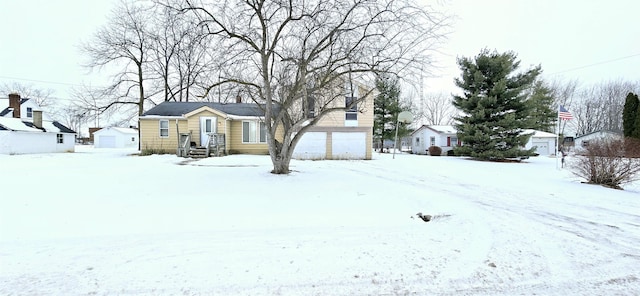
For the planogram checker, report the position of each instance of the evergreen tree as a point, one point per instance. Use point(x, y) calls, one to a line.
point(631, 116)
point(542, 112)
point(386, 109)
point(494, 107)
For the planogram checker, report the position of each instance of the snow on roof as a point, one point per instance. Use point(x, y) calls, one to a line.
point(539, 134)
point(16, 124)
point(445, 129)
point(123, 130)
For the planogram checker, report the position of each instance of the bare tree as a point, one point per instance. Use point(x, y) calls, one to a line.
point(290, 55)
point(600, 106)
point(43, 97)
point(563, 94)
point(180, 56)
point(437, 109)
point(124, 42)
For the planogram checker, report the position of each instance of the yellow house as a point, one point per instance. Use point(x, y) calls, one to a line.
point(239, 129)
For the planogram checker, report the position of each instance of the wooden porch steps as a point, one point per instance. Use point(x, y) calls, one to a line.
point(198, 152)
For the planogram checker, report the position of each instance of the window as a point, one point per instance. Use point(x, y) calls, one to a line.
point(29, 112)
point(60, 138)
point(417, 141)
point(352, 111)
point(311, 107)
point(254, 132)
point(133, 139)
point(452, 141)
point(164, 128)
point(351, 97)
point(432, 141)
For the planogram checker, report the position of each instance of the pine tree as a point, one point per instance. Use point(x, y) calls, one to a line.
point(494, 107)
point(631, 116)
point(540, 103)
point(386, 109)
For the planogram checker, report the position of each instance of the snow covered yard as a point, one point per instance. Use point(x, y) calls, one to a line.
point(102, 222)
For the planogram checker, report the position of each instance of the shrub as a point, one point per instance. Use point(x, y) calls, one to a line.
point(606, 163)
point(435, 151)
point(451, 153)
point(632, 147)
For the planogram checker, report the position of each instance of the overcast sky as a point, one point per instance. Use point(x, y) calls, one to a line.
point(592, 41)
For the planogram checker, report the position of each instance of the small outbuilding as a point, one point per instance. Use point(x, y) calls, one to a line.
point(116, 137)
point(543, 142)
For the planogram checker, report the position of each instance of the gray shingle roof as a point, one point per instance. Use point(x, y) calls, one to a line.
point(181, 108)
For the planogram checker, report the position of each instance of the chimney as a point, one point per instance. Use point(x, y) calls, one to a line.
point(238, 99)
point(14, 103)
point(37, 118)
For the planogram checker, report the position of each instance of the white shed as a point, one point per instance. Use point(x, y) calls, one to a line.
point(543, 142)
point(116, 137)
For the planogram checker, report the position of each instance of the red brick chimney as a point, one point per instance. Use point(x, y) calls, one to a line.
point(14, 103)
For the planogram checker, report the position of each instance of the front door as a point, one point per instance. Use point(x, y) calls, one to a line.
point(207, 127)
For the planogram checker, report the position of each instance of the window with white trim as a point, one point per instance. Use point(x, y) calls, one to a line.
point(352, 112)
point(350, 101)
point(60, 138)
point(29, 112)
point(432, 141)
point(254, 132)
point(164, 128)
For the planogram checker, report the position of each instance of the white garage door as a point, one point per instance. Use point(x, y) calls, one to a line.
point(107, 142)
point(349, 145)
point(542, 148)
point(313, 145)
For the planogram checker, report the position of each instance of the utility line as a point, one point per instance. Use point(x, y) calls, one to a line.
point(596, 64)
point(39, 81)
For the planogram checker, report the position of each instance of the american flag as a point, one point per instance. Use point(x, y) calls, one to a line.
point(564, 114)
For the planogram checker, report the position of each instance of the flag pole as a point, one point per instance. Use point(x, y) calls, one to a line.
point(557, 133)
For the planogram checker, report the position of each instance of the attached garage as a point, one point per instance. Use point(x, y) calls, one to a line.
point(312, 145)
point(334, 144)
point(349, 145)
point(116, 137)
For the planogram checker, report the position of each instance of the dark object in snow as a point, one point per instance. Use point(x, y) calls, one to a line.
point(425, 218)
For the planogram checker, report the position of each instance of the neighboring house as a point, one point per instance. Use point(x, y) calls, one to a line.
point(443, 136)
point(583, 141)
point(543, 142)
point(240, 128)
point(23, 129)
point(116, 137)
point(24, 107)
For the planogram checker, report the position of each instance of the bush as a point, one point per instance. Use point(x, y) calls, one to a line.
point(608, 163)
point(451, 153)
point(435, 151)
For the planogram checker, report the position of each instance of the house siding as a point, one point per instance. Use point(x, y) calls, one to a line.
point(337, 118)
point(17, 142)
point(150, 135)
point(236, 145)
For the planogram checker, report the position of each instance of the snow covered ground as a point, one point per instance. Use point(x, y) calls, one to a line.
point(103, 222)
